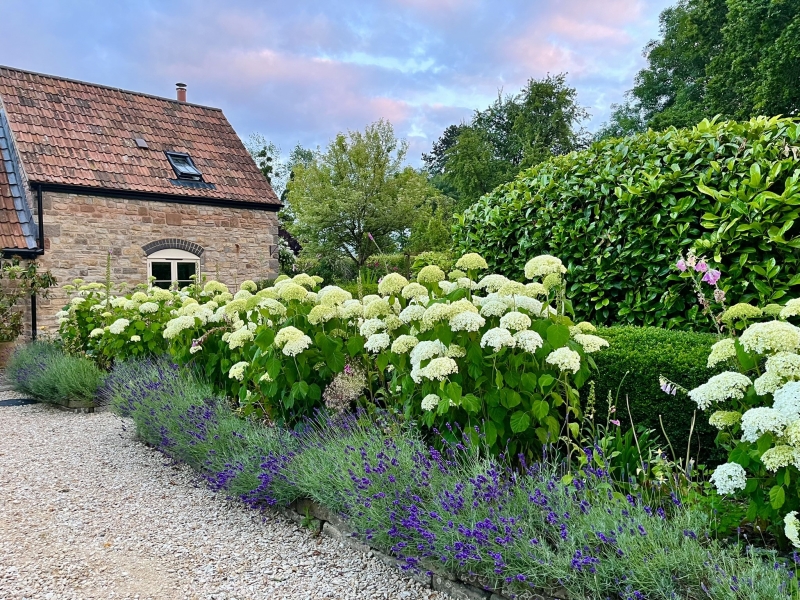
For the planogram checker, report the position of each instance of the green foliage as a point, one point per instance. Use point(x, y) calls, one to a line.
point(631, 366)
point(42, 370)
point(735, 58)
point(443, 260)
point(18, 284)
point(516, 131)
point(357, 188)
point(620, 212)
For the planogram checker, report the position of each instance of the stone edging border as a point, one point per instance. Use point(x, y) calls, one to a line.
point(320, 520)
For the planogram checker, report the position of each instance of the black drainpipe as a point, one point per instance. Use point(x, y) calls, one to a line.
point(40, 214)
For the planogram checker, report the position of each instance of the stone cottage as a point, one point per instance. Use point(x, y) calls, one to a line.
point(165, 186)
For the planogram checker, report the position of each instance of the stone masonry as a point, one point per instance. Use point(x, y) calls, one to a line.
point(80, 230)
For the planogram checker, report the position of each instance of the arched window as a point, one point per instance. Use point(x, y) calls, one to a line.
point(171, 265)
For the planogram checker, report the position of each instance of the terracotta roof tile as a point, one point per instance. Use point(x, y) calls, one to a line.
point(75, 133)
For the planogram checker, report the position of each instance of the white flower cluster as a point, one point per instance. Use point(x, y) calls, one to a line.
point(175, 326)
point(239, 338)
point(724, 418)
point(471, 262)
point(377, 342)
point(543, 265)
point(515, 321)
point(760, 420)
point(530, 341)
point(430, 402)
point(118, 326)
point(770, 337)
point(780, 456)
point(565, 359)
point(590, 343)
point(404, 344)
point(291, 341)
point(729, 478)
point(466, 321)
point(791, 528)
point(237, 370)
point(148, 308)
point(725, 386)
point(498, 338)
point(722, 351)
point(779, 368)
point(392, 284)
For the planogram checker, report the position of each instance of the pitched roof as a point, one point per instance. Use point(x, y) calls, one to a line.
point(17, 231)
point(82, 134)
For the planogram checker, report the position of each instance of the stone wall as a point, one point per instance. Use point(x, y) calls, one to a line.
point(80, 231)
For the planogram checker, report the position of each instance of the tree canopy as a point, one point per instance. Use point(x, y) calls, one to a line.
point(517, 131)
point(357, 195)
point(734, 58)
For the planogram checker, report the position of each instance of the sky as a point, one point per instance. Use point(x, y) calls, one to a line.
point(301, 71)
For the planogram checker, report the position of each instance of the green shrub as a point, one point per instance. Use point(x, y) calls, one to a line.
point(645, 353)
point(444, 260)
point(42, 370)
point(382, 264)
point(619, 213)
point(366, 288)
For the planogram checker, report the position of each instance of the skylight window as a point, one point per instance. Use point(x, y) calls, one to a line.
point(184, 166)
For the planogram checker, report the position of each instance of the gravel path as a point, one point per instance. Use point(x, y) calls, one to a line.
point(87, 512)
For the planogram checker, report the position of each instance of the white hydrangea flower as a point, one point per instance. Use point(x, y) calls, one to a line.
point(160, 295)
point(439, 368)
point(456, 351)
point(195, 349)
point(412, 312)
point(377, 342)
point(148, 308)
point(77, 300)
point(471, 262)
point(332, 295)
point(392, 284)
point(377, 308)
point(543, 265)
point(434, 313)
point(591, 343)
point(493, 308)
point(239, 338)
point(427, 349)
point(119, 326)
point(430, 402)
point(729, 385)
point(447, 287)
point(492, 282)
point(465, 283)
point(515, 321)
point(96, 332)
point(215, 287)
point(369, 299)
point(175, 326)
point(292, 291)
point(498, 338)
point(532, 305)
point(724, 418)
point(130, 305)
point(786, 401)
point(304, 280)
point(136, 338)
point(242, 295)
point(321, 314)
point(415, 291)
point(430, 274)
point(530, 341)
point(371, 326)
point(351, 309)
point(273, 307)
point(535, 289)
point(729, 478)
point(512, 288)
point(779, 368)
point(237, 370)
point(585, 326)
point(467, 321)
point(771, 336)
point(758, 421)
point(404, 344)
point(780, 456)
point(791, 528)
point(292, 341)
point(565, 359)
point(722, 351)
point(791, 309)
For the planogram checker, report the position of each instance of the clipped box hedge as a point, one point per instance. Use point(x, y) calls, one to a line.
point(645, 353)
point(619, 212)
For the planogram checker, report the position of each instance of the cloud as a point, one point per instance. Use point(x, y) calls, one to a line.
point(303, 71)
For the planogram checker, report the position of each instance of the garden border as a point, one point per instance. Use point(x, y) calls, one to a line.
point(321, 521)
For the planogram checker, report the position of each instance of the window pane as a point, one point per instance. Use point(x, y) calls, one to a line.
point(185, 271)
point(162, 271)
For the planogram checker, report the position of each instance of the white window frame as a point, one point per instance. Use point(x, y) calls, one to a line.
point(173, 256)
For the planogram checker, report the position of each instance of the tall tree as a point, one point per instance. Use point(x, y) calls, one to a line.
point(356, 188)
point(733, 58)
point(514, 132)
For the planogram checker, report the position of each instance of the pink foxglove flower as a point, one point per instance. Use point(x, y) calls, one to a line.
point(372, 239)
point(615, 422)
point(701, 267)
point(681, 264)
point(711, 277)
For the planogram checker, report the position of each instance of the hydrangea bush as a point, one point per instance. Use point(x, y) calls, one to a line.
point(754, 403)
point(469, 347)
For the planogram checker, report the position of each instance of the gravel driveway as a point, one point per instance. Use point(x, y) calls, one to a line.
point(87, 512)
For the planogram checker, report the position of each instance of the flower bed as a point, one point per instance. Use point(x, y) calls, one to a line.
point(452, 510)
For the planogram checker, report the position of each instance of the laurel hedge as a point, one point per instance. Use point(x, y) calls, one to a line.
point(620, 211)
